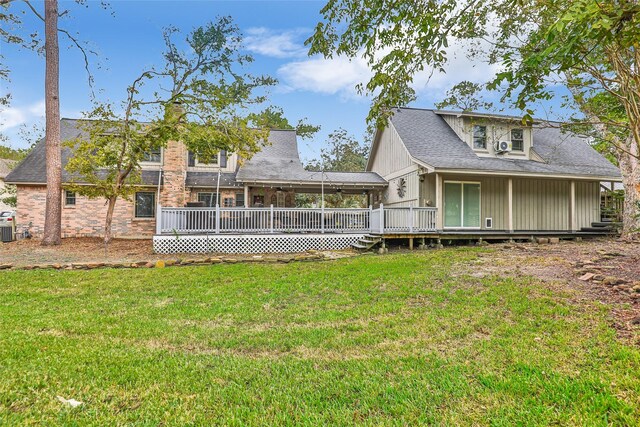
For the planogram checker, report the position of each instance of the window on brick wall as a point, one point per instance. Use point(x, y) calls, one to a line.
point(228, 202)
point(240, 200)
point(209, 199)
point(145, 204)
point(69, 198)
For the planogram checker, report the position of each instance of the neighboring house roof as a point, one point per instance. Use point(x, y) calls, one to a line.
point(280, 162)
point(431, 141)
point(5, 167)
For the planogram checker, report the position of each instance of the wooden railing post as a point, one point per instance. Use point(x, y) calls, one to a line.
point(322, 219)
point(159, 219)
point(271, 222)
point(217, 219)
point(411, 219)
point(381, 218)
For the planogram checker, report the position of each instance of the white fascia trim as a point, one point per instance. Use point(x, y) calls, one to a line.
point(531, 175)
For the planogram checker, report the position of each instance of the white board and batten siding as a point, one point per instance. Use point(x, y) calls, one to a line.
point(587, 203)
point(538, 204)
point(391, 155)
point(497, 130)
point(545, 204)
point(392, 161)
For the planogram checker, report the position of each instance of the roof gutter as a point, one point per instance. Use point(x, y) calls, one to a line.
point(531, 175)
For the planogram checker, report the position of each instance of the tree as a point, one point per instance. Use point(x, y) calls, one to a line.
point(589, 46)
point(53, 207)
point(273, 118)
point(342, 153)
point(465, 96)
point(205, 106)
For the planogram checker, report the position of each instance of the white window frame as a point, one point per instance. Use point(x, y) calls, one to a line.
point(211, 165)
point(148, 163)
point(462, 204)
point(75, 199)
point(486, 138)
point(511, 139)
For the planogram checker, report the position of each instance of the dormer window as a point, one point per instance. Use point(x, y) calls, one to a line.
point(479, 137)
point(153, 156)
point(219, 159)
point(517, 139)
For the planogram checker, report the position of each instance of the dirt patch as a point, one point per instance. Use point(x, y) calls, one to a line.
point(92, 250)
point(610, 272)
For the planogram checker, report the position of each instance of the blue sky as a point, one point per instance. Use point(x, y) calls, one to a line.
point(131, 41)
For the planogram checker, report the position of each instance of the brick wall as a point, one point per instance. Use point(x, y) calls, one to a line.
point(86, 218)
point(175, 173)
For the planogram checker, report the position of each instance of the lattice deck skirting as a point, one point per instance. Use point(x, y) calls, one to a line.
point(257, 244)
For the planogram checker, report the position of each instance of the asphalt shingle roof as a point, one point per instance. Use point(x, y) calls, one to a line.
point(33, 169)
point(210, 179)
point(280, 162)
point(429, 139)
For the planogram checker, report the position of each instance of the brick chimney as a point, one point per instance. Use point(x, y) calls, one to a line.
point(173, 191)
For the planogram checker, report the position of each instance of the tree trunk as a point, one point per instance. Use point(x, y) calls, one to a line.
point(109, 219)
point(630, 168)
point(53, 207)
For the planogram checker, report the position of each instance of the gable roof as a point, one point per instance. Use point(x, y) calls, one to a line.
point(278, 162)
point(33, 169)
point(430, 140)
point(5, 167)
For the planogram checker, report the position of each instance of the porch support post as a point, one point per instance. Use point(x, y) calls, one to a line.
point(381, 218)
point(159, 219)
point(322, 217)
point(510, 205)
point(271, 221)
point(217, 218)
point(439, 202)
point(573, 221)
point(246, 196)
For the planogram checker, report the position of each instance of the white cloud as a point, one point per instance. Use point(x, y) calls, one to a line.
point(337, 75)
point(277, 44)
point(340, 75)
point(14, 116)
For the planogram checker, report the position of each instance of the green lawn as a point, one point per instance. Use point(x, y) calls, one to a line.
point(400, 339)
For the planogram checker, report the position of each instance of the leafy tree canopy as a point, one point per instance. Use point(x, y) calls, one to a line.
point(199, 97)
point(273, 117)
point(342, 153)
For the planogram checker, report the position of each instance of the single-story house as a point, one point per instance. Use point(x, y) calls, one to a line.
point(490, 172)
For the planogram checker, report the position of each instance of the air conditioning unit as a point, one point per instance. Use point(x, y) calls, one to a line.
point(502, 146)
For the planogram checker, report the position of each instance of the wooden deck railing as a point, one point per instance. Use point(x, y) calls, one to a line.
point(294, 220)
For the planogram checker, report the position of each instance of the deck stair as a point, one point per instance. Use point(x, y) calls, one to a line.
point(367, 242)
point(604, 227)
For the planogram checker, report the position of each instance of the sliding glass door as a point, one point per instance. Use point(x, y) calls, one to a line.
point(461, 204)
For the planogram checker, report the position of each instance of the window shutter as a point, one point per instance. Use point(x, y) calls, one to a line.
point(223, 158)
point(192, 159)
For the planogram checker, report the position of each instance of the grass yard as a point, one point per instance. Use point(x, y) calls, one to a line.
point(401, 339)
